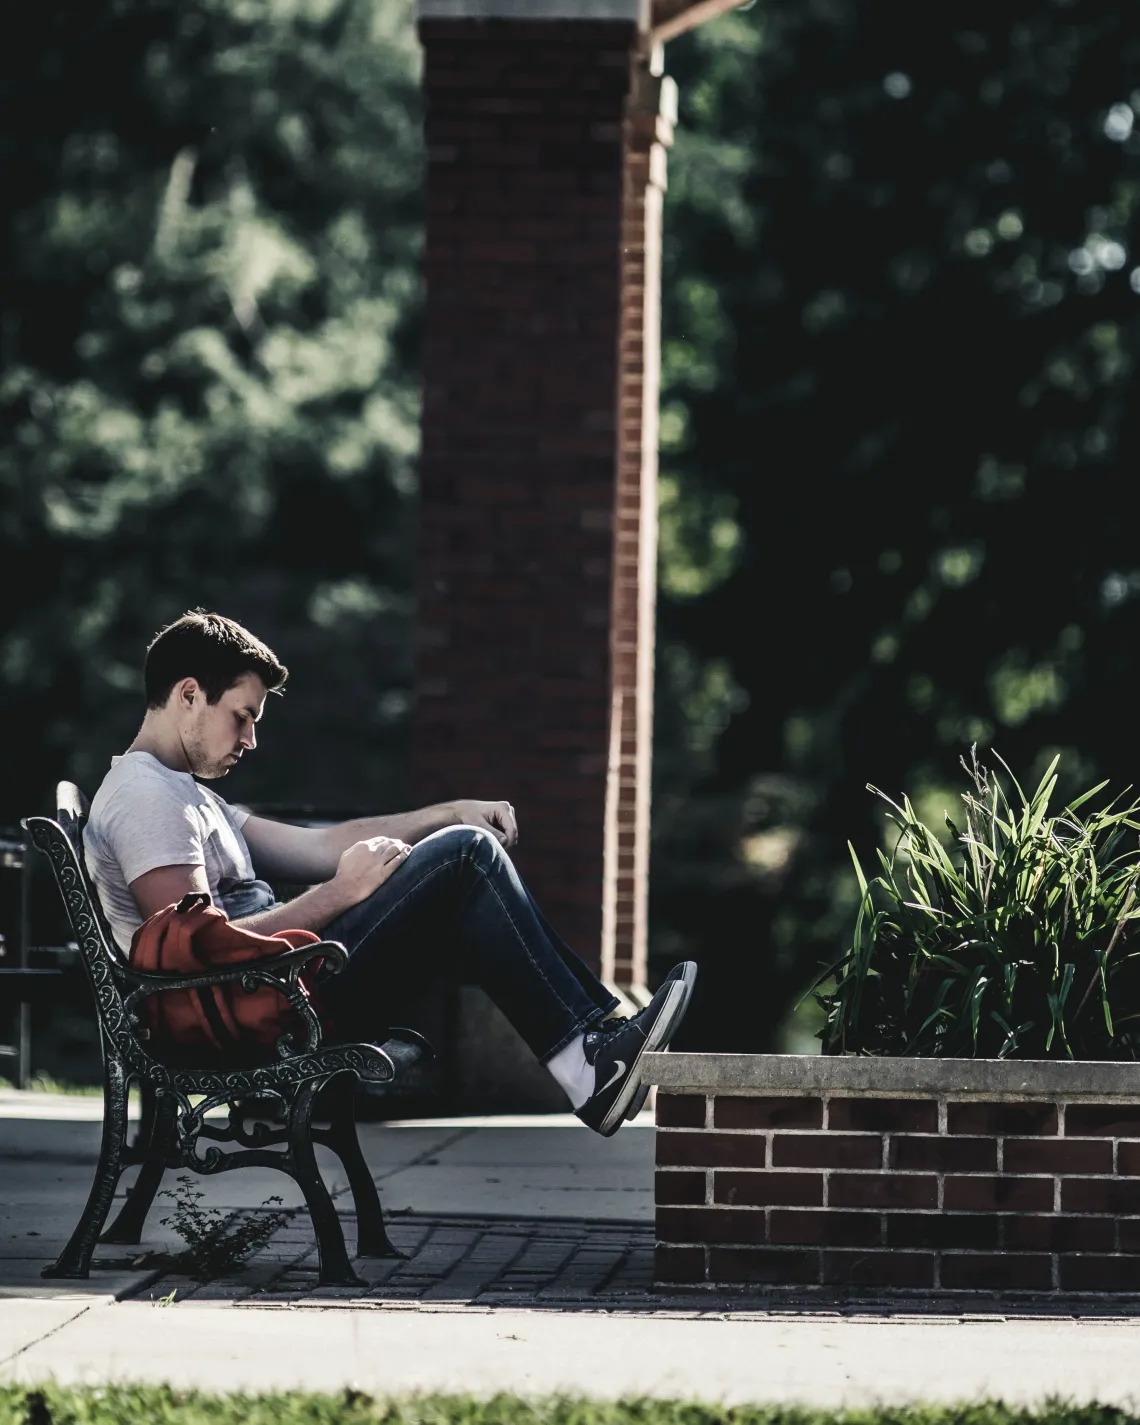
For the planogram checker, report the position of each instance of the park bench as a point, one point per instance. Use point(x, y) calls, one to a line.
point(176, 1101)
point(24, 986)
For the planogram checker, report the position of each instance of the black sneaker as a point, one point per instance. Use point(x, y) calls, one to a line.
point(687, 973)
point(616, 1052)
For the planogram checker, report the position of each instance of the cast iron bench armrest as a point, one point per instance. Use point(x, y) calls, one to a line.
point(287, 966)
point(279, 972)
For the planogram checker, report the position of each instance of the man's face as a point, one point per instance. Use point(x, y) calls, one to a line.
point(215, 735)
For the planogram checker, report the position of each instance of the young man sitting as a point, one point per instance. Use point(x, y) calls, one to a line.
point(396, 890)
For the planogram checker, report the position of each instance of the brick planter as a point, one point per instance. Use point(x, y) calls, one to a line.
point(903, 1174)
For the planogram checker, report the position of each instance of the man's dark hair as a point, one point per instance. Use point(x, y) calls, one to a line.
point(212, 649)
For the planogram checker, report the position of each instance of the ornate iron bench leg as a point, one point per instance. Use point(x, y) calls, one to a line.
point(148, 1108)
point(341, 1136)
point(75, 1259)
point(155, 1132)
point(335, 1267)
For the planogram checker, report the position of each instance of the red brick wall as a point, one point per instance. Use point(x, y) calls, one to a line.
point(524, 189)
point(912, 1193)
point(648, 133)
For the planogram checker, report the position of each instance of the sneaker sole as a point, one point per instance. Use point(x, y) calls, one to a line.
point(643, 1092)
point(662, 1030)
point(638, 1102)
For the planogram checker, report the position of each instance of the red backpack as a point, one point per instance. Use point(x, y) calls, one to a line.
point(220, 1021)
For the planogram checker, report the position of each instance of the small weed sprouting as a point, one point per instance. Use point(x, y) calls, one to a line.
point(216, 1243)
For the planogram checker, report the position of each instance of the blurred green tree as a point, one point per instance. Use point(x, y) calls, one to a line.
point(898, 424)
point(208, 304)
point(900, 432)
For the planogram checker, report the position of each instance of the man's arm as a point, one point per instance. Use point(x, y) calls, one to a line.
point(360, 870)
point(312, 910)
point(312, 853)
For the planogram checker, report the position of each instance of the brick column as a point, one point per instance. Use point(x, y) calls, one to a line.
point(546, 138)
point(525, 141)
point(650, 116)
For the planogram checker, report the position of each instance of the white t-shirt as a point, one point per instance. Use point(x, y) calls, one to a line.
point(144, 816)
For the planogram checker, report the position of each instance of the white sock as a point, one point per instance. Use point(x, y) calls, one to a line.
point(571, 1071)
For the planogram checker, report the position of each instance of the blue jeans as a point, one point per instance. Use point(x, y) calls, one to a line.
point(458, 902)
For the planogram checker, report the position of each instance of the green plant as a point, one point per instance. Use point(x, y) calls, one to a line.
point(217, 1243)
point(1015, 942)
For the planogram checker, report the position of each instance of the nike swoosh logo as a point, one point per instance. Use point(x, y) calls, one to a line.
point(619, 1069)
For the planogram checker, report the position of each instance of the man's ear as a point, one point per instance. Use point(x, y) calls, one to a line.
point(185, 692)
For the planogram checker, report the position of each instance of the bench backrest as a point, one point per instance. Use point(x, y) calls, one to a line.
point(61, 841)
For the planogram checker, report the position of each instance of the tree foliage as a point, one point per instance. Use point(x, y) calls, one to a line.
point(899, 422)
point(900, 435)
point(207, 310)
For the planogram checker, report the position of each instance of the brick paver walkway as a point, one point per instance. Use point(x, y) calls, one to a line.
point(456, 1262)
point(473, 1260)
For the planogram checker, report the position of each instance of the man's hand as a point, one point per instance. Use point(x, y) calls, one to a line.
point(368, 864)
point(496, 817)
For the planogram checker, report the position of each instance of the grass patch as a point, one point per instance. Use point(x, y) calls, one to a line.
point(44, 1083)
point(141, 1405)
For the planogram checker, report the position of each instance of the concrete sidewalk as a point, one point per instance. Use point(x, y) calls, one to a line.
point(526, 1168)
point(806, 1359)
point(492, 1213)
